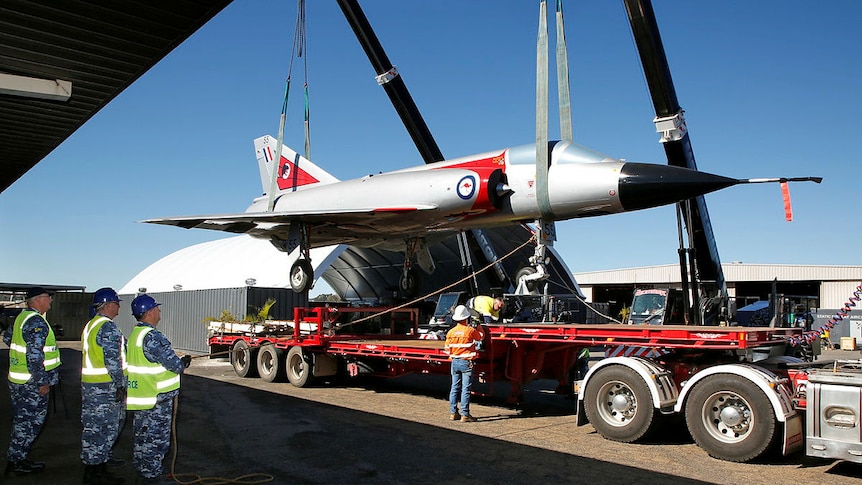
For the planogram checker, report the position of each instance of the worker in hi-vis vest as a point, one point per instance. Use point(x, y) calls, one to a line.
point(462, 345)
point(103, 388)
point(487, 310)
point(488, 307)
point(153, 381)
point(33, 362)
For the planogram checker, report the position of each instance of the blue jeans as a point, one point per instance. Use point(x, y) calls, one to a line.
point(462, 381)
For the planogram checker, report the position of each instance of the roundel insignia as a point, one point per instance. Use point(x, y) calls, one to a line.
point(467, 187)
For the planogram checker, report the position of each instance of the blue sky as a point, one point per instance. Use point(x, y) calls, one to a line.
point(770, 89)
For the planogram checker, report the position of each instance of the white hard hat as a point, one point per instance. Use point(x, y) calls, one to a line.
point(461, 313)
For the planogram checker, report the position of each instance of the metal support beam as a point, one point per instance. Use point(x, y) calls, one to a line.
point(30, 87)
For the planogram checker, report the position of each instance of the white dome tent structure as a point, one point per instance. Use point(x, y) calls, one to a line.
point(235, 275)
point(225, 263)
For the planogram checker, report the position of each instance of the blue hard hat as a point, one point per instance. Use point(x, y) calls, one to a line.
point(142, 303)
point(104, 295)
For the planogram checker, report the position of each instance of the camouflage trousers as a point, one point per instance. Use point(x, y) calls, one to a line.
point(102, 418)
point(152, 437)
point(29, 410)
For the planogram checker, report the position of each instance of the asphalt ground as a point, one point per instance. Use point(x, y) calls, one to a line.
point(391, 432)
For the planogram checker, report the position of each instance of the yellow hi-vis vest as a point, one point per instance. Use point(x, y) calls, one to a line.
point(484, 305)
point(146, 379)
point(93, 368)
point(18, 371)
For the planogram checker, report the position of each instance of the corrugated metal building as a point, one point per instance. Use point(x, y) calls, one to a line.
point(184, 312)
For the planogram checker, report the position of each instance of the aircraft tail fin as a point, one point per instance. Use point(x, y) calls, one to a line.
point(295, 172)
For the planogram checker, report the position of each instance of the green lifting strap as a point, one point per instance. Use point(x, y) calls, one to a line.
point(299, 50)
point(542, 157)
point(566, 130)
point(564, 97)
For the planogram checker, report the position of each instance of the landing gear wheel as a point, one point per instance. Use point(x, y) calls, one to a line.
point(301, 275)
point(298, 367)
point(618, 404)
point(526, 271)
point(730, 418)
point(270, 363)
point(243, 359)
point(409, 283)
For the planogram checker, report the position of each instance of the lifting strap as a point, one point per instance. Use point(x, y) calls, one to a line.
point(542, 157)
point(564, 99)
point(299, 50)
point(566, 130)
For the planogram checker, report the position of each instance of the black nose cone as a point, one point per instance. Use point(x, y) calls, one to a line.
point(644, 185)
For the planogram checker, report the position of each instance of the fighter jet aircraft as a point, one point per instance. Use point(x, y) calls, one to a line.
point(306, 207)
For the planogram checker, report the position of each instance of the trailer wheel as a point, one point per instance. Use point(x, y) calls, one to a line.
point(301, 276)
point(618, 405)
point(243, 359)
point(298, 367)
point(730, 418)
point(270, 363)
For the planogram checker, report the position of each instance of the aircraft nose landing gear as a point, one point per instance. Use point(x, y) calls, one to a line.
point(529, 277)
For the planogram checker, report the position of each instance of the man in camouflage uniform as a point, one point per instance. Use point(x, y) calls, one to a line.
point(103, 388)
point(33, 362)
point(154, 381)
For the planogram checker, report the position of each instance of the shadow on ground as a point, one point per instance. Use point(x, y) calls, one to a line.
point(229, 430)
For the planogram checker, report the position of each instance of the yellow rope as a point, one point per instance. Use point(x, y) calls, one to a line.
point(441, 290)
point(249, 479)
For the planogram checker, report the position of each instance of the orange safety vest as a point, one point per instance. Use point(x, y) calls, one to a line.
point(461, 342)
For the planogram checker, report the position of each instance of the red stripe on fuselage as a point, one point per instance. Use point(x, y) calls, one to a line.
point(483, 168)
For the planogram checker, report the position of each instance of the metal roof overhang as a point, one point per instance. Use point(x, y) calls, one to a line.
point(99, 47)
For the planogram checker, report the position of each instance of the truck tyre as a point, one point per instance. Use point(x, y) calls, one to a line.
point(243, 359)
point(270, 363)
point(301, 276)
point(730, 418)
point(298, 367)
point(618, 404)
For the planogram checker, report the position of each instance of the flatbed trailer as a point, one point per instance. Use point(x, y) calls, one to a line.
point(739, 392)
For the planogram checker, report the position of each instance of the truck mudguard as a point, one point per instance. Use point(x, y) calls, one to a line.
point(773, 385)
point(658, 379)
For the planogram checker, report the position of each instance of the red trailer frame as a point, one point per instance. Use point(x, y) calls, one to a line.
point(517, 353)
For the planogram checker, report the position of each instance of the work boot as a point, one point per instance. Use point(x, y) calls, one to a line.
point(90, 473)
point(108, 478)
point(468, 419)
point(99, 475)
point(454, 416)
point(34, 464)
point(24, 467)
